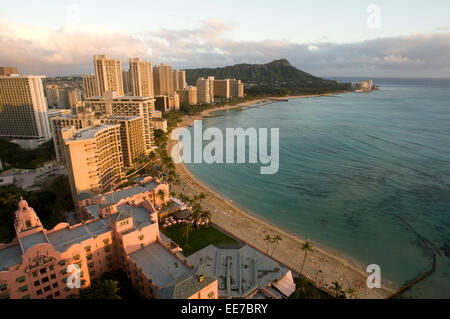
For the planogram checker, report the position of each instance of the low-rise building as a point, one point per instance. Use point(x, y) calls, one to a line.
point(49, 264)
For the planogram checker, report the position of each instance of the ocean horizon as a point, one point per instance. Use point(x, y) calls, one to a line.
point(366, 174)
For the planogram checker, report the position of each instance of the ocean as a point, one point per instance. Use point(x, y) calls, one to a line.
point(367, 174)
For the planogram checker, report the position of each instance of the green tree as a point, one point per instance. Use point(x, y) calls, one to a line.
point(352, 292)
point(337, 289)
point(275, 240)
point(161, 195)
point(268, 240)
point(306, 247)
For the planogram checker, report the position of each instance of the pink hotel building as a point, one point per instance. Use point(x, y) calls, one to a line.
point(122, 233)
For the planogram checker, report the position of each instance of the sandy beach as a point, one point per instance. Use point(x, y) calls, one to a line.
point(323, 265)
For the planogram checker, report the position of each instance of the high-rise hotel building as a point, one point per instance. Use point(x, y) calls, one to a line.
point(141, 78)
point(179, 80)
point(23, 110)
point(90, 86)
point(204, 91)
point(163, 79)
point(132, 137)
point(112, 104)
point(108, 73)
point(93, 157)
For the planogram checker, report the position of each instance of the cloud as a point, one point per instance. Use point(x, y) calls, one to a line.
point(70, 50)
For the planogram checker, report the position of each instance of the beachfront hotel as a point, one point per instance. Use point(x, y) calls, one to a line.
point(132, 137)
point(121, 231)
point(23, 109)
point(93, 158)
point(35, 264)
point(188, 95)
point(108, 73)
point(204, 91)
point(111, 104)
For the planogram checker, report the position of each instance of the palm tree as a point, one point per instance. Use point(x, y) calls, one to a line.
point(306, 247)
point(337, 288)
point(268, 240)
point(352, 292)
point(161, 195)
point(187, 230)
point(108, 290)
point(206, 214)
point(197, 212)
point(276, 239)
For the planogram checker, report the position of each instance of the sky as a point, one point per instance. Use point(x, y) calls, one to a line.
point(326, 38)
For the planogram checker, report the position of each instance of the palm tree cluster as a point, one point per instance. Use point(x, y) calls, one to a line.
point(274, 240)
point(195, 204)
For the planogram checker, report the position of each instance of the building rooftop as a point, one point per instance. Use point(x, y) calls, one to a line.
point(64, 238)
point(117, 196)
point(187, 285)
point(141, 216)
point(123, 118)
point(246, 268)
point(10, 256)
point(32, 240)
point(161, 266)
point(93, 210)
point(90, 132)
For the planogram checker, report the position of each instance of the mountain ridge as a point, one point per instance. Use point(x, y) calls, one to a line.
point(277, 74)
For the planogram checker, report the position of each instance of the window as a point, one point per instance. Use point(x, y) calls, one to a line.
point(45, 279)
point(49, 297)
point(48, 288)
point(76, 257)
point(21, 279)
point(63, 272)
point(36, 283)
point(39, 292)
point(107, 249)
point(55, 285)
point(23, 288)
point(26, 297)
point(89, 257)
point(211, 295)
point(3, 287)
point(106, 241)
point(108, 257)
point(34, 274)
point(110, 265)
point(87, 248)
point(141, 237)
point(53, 276)
point(57, 294)
point(50, 267)
point(43, 270)
point(90, 265)
point(62, 262)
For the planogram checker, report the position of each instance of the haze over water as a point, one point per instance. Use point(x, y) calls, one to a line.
point(349, 166)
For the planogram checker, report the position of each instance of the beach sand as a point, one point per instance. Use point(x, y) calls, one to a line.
point(323, 266)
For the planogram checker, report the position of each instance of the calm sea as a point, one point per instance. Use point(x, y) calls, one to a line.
point(366, 174)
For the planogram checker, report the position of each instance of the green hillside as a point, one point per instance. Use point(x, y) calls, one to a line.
point(278, 74)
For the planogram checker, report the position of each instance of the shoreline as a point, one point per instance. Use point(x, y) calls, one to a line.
point(323, 266)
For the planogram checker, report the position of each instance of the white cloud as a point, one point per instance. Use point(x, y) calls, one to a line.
point(70, 50)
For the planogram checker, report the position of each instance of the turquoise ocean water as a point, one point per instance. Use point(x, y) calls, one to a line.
point(350, 166)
